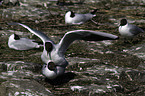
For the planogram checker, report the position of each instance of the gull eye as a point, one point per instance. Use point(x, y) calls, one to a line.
point(51, 66)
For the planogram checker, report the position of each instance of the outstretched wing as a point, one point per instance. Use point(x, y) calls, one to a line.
point(39, 34)
point(86, 35)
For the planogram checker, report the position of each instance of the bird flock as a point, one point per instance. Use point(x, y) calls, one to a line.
point(53, 55)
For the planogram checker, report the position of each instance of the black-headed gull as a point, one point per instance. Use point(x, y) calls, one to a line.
point(53, 54)
point(128, 30)
point(17, 43)
point(72, 18)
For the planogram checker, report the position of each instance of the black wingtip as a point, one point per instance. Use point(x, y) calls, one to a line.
point(117, 38)
point(94, 11)
point(113, 38)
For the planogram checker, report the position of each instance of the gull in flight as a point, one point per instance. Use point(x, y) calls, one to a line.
point(53, 54)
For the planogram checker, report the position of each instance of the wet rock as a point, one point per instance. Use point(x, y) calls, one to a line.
point(132, 1)
point(11, 2)
point(132, 81)
point(118, 88)
point(137, 50)
point(28, 8)
point(94, 69)
point(133, 75)
point(98, 80)
point(3, 91)
point(17, 78)
point(91, 90)
point(141, 67)
point(25, 87)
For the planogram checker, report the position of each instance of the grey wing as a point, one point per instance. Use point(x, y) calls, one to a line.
point(79, 19)
point(41, 35)
point(32, 40)
point(134, 29)
point(86, 35)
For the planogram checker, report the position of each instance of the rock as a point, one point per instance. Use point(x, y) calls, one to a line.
point(118, 88)
point(95, 68)
point(11, 2)
point(97, 80)
point(132, 1)
point(17, 78)
point(26, 8)
point(3, 91)
point(141, 67)
point(132, 81)
point(24, 87)
point(133, 75)
point(137, 50)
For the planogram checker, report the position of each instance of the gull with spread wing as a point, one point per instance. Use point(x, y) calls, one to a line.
point(53, 54)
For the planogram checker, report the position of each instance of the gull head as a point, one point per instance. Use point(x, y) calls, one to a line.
point(69, 14)
point(48, 46)
point(51, 70)
point(123, 22)
point(15, 36)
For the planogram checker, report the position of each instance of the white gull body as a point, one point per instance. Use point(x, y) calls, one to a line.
point(17, 43)
point(72, 18)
